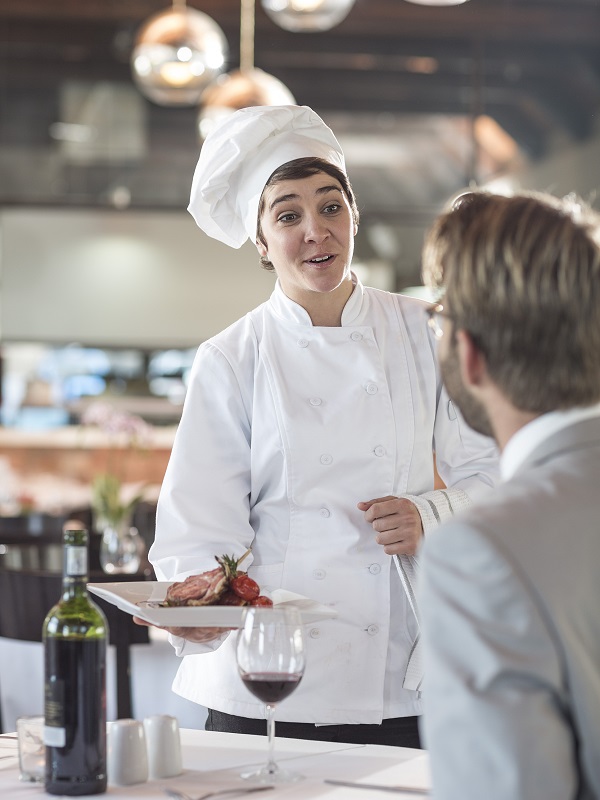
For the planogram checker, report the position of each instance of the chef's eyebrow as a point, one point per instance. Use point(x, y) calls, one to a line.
point(286, 197)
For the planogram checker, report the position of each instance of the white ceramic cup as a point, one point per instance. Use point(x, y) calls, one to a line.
point(127, 761)
point(164, 746)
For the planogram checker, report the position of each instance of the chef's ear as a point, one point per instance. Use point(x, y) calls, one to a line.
point(355, 228)
point(262, 250)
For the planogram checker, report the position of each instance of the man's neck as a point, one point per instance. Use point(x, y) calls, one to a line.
point(506, 419)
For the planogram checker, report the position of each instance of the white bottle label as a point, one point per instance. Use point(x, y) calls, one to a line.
point(76, 561)
point(54, 737)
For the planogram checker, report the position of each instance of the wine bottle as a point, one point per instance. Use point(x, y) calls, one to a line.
point(74, 635)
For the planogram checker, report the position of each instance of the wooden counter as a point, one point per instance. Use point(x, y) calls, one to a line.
point(78, 453)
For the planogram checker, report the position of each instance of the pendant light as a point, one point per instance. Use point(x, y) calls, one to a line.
point(437, 2)
point(307, 15)
point(243, 87)
point(177, 53)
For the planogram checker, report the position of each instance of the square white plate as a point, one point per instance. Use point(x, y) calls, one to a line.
point(142, 598)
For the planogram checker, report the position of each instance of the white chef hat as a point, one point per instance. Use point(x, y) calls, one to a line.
point(240, 155)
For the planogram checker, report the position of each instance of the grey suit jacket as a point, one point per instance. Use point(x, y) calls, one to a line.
point(510, 612)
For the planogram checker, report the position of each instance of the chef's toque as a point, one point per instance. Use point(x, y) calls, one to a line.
point(240, 155)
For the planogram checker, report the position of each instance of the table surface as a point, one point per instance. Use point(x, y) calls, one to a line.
point(213, 760)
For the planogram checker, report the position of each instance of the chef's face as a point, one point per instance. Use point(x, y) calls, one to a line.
point(308, 233)
point(472, 410)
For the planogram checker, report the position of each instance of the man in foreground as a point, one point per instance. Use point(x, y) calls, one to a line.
point(510, 590)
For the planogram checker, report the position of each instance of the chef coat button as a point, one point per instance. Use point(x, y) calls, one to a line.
point(315, 401)
point(374, 569)
point(314, 633)
point(356, 336)
point(373, 630)
point(326, 459)
point(379, 451)
point(302, 342)
point(372, 388)
point(319, 574)
point(324, 512)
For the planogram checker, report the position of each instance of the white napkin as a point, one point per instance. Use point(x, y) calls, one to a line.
point(407, 570)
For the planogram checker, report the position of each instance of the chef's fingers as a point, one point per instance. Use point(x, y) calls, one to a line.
point(197, 635)
point(404, 548)
point(387, 506)
point(365, 505)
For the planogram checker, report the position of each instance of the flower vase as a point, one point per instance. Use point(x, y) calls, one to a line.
point(122, 548)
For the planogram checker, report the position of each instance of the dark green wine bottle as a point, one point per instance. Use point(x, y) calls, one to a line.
point(75, 635)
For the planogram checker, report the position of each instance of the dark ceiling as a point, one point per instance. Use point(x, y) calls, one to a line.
point(532, 66)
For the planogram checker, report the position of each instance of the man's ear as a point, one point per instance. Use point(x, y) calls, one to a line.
point(473, 366)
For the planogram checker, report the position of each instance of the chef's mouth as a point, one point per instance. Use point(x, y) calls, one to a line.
point(320, 260)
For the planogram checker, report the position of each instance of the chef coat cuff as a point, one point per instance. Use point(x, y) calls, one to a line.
point(185, 648)
point(438, 506)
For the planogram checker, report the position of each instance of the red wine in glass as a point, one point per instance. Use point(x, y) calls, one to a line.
point(271, 687)
point(270, 658)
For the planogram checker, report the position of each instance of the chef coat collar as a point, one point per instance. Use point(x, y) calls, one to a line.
point(290, 311)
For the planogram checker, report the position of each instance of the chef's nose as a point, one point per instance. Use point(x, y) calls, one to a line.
point(316, 229)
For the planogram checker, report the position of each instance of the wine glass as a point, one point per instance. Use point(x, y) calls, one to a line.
point(270, 658)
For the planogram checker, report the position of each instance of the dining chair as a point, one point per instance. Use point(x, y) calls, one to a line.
point(26, 596)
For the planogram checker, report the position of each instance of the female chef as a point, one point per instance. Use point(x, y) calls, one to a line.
point(308, 435)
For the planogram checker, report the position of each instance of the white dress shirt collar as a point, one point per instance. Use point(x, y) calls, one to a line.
point(525, 440)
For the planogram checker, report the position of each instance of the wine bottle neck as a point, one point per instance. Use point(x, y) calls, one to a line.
point(75, 564)
point(74, 587)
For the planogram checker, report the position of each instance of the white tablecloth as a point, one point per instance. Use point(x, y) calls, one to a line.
point(213, 760)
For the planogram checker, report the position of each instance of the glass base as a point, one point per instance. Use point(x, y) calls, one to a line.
point(271, 774)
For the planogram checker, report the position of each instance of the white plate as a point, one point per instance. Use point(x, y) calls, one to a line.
point(141, 599)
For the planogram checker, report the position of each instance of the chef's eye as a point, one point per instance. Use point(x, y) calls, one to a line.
point(331, 208)
point(289, 217)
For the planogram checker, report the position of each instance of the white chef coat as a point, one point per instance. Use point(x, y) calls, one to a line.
point(285, 428)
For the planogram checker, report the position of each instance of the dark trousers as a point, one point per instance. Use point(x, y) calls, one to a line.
point(398, 732)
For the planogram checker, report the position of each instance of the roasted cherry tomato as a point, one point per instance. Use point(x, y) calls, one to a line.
point(261, 600)
point(245, 587)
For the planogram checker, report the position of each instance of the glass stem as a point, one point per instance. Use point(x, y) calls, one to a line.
point(271, 765)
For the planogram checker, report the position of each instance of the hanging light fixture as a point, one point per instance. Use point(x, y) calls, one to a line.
point(177, 53)
point(243, 87)
point(437, 2)
point(307, 15)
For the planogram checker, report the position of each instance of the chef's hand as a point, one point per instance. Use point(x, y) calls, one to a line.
point(196, 635)
point(397, 523)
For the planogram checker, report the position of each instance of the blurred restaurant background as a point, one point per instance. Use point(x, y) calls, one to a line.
point(107, 287)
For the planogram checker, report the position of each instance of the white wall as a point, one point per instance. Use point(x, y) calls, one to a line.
point(138, 278)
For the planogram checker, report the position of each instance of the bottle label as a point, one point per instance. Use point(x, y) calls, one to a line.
point(54, 737)
point(76, 561)
point(54, 713)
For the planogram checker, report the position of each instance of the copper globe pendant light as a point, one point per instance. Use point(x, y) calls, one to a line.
point(177, 53)
point(437, 2)
point(243, 87)
point(307, 15)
